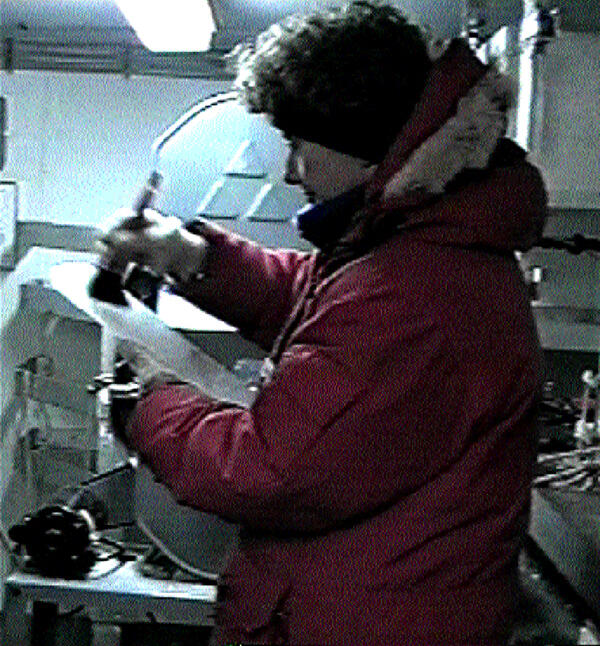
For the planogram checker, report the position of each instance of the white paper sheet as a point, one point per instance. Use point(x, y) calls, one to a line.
point(139, 324)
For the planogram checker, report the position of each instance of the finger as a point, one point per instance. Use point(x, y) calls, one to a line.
point(134, 354)
point(100, 246)
point(145, 218)
point(130, 220)
point(125, 246)
point(116, 220)
point(110, 257)
point(127, 349)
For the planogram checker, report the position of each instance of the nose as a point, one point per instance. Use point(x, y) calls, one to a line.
point(292, 175)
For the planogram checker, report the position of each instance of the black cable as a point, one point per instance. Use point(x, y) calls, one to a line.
point(125, 523)
point(575, 245)
point(121, 551)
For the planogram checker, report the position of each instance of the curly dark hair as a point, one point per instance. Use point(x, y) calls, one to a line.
point(347, 78)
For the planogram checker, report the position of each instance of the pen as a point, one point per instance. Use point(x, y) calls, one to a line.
point(146, 198)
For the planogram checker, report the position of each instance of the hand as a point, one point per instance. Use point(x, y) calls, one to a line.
point(148, 371)
point(154, 241)
point(134, 376)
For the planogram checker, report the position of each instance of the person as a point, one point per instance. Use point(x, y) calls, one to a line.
point(382, 476)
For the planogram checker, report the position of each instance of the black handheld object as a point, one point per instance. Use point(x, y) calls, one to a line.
point(108, 285)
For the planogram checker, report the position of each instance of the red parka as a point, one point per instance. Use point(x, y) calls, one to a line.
point(382, 477)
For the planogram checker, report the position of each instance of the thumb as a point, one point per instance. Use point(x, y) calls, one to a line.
point(135, 355)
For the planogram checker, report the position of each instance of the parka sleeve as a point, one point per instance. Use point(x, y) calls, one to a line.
point(243, 464)
point(309, 454)
point(248, 286)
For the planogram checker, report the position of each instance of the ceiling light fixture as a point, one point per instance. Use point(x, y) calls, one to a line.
point(171, 25)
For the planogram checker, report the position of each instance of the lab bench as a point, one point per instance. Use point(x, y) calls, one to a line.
point(114, 594)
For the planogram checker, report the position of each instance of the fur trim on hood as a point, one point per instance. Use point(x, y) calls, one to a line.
point(450, 173)
point(452, 76)
point(466, 141)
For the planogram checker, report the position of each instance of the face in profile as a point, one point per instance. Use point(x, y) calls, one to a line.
point(323, 173)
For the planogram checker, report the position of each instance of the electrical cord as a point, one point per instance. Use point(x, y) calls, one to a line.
point(122, 551)
point(576, 470)
point(575, 245)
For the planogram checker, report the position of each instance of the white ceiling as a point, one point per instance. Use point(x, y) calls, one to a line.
point(92, 35)
point(248, 16)
point(60, 13)
point(241, 16)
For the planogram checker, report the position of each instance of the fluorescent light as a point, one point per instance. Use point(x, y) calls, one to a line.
point(170, 25)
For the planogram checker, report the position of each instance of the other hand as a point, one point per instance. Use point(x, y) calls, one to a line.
point(148, 370)
point(144, 373)
point(154, 241)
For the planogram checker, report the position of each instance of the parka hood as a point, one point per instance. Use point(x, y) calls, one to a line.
point(451, 176)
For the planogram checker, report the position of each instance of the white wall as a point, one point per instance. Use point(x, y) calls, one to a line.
point(79, 144)
point(567, 137)
point(79, 147)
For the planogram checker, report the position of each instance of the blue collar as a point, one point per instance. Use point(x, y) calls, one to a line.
point(324, 223)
